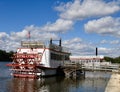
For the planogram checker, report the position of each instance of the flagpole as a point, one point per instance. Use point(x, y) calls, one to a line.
point(28, 38)
point(29, 35)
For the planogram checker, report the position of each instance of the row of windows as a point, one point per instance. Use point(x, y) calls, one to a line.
point(59, 57)
point(87, 61)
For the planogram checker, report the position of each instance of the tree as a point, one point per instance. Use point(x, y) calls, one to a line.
point(6, 56)
point(113, 60)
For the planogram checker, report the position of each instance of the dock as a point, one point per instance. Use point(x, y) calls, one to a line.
point(73, 70)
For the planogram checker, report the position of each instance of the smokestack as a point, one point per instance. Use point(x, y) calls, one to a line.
point(60, 42)
point(96, 51)
point(51, 41)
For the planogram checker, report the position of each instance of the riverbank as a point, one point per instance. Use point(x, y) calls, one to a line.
point(114, 83)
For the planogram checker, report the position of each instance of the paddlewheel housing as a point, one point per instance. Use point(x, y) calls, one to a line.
point(25, 65)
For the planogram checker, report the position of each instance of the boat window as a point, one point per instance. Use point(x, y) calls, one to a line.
point(24, 52)
point(55, 56)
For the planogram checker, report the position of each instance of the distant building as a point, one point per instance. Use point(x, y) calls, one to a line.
point(89, 61)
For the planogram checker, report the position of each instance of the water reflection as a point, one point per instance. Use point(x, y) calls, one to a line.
point(53, 84)
point(93, 82)
point(21, 85)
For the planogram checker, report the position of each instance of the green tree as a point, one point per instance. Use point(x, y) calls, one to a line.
point(5, 56)
point(113, 60)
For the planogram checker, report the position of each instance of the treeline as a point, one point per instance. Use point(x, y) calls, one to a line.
point(113, 60)
point(6, 56)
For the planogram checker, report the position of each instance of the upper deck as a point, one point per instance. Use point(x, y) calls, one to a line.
point(32, 44)
point(42, 45)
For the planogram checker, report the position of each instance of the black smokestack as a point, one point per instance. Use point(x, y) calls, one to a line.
point(60, 42)
point(96, 51)
point(51, 41)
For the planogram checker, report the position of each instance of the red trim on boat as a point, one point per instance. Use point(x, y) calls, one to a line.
point(27, 65)
point(25, 75)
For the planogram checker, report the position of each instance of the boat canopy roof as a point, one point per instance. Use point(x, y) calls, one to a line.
point(32, 44)
point(40, 44)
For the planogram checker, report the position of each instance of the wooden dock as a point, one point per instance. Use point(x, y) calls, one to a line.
point(73, 70)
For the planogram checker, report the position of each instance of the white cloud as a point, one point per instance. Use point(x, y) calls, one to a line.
point(103, 42)
point(3, 35)
point(111, 52)
point(106, 26)
point(80, 9)
point(104, 50)
point(79, 47)
point(115, 42)
point(61, 25)
point(13, 40)
point(112, 42)
point(74, 40)
point(18, 35)
point(37, 33)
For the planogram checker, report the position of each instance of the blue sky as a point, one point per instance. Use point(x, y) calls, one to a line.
point(82, 24)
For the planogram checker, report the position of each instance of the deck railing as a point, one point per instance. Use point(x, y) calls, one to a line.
point(40, 44)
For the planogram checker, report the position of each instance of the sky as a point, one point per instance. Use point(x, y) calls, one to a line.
point(82, 25)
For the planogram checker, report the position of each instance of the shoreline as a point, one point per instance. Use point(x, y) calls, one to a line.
point(113, 84)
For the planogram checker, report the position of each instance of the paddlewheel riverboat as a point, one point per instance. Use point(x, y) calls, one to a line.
point(36, 59)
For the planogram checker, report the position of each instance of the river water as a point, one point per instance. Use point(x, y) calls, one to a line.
point(93, 82)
